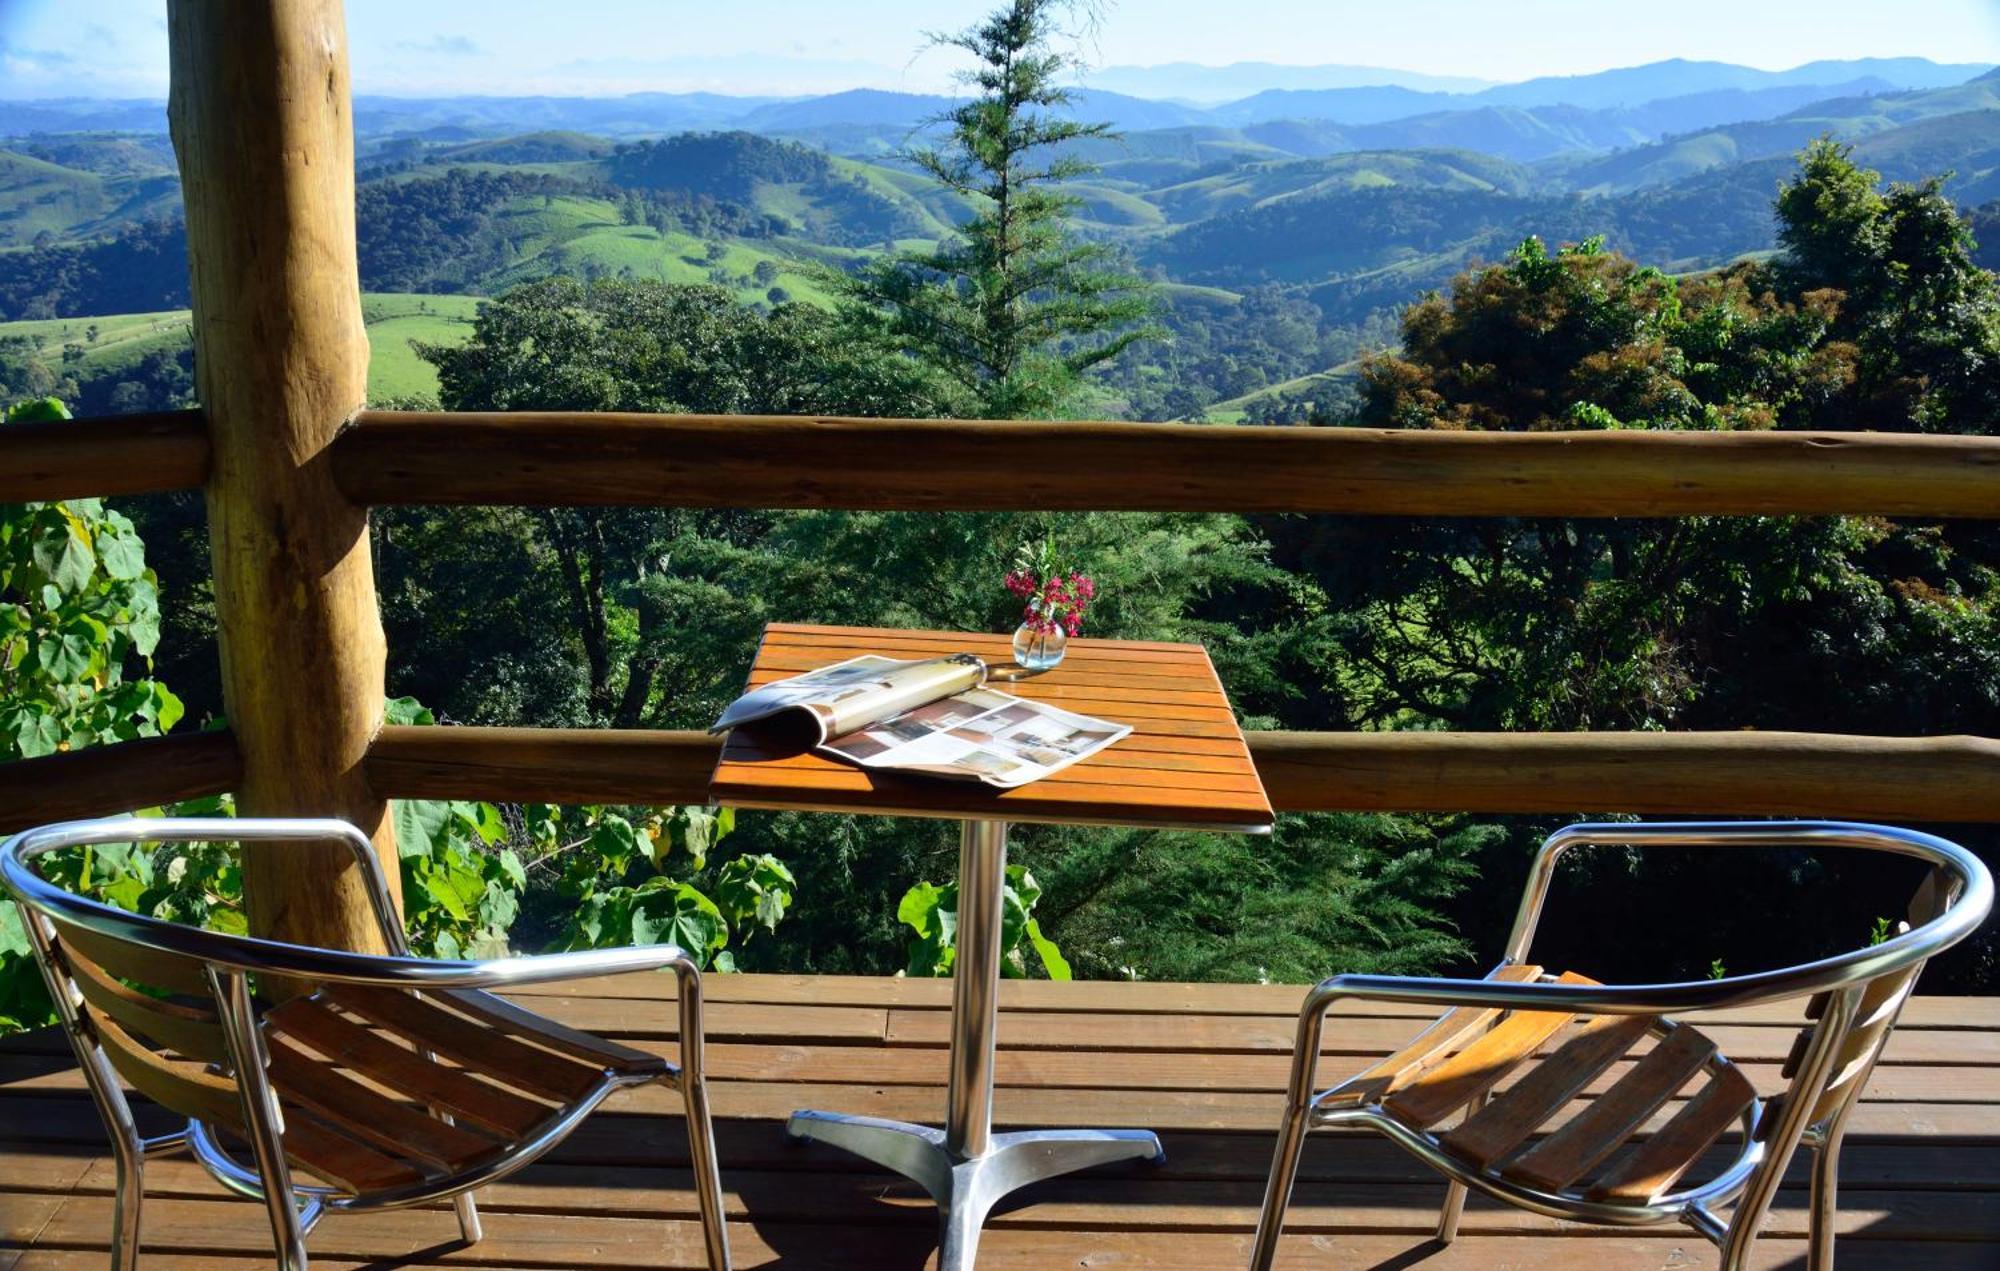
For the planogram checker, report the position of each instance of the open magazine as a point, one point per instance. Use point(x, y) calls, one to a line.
point(935, 716)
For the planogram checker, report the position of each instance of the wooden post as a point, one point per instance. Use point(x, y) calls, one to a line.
point(262, 123)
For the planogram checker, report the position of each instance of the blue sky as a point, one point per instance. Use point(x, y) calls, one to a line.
point(51, 48)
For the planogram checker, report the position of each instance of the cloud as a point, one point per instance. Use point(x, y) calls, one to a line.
point(449, 45)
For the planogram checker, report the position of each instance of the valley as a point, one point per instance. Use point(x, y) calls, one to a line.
point(1349, 199)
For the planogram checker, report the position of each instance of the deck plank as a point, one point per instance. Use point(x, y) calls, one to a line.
point(1203, 1064)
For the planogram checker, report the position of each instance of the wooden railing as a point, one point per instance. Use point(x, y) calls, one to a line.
point(388, 457)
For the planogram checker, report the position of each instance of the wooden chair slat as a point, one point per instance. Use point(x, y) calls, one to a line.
point(1448, 1032)
point(1596, 1132)
point(188, 1027)
point(1479, 1066)
point(468, 1042)
point(1874, 1016)
point(130, 962)
point(401, 1068)
point(364, 1113)
point(179, 1085)
point(333, 1156)
point(1655, 1165)
point(1521, 1109)
point(506, 1018)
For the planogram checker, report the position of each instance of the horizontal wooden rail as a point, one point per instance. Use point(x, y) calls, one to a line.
point(1733, 773)
point(123, 777)
point(764, 462)
point(103, 455)
point(1738, 773)
point(542, 765)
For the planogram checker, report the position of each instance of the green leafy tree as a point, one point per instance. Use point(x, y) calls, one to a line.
point(1874, 317)
point(1897, 273)
point(1016, 307)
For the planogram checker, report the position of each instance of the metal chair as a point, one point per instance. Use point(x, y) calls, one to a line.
point(343, 1083)
point(1595, 1164)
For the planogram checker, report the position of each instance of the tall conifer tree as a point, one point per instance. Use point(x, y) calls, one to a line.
point(1016, 307)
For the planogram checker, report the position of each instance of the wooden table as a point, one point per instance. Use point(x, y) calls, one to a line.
point(1184, 766)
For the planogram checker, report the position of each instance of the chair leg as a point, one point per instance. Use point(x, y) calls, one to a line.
point(1291, 1134)
point(1454, 1207)
point(1825, 1202)
point(1454, 1195)
point(469, 1229)
point(1278, 1190)
point(131, 1196)
point(262, 1118)
point(707, 1175)
point(700, 1126)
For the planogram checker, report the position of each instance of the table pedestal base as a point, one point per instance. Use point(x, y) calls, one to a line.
point(965, 1188)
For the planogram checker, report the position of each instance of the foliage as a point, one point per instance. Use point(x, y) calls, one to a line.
point(1351, 892)
point(1016, 307)
point(140, 269)
point(78, 608)
point(438, 233)
point(932, 912)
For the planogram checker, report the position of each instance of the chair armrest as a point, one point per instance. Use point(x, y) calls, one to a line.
point(1587, 999)
point(555, 968)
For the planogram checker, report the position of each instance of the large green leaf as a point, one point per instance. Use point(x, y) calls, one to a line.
point(419, 825)
point(62, 552)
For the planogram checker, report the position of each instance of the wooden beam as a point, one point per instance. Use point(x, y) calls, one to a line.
point(107, 455)
point(263, 125)
point(763, 462)
point(123, 777)
point(543, 765)
point(1737, 773)
point(1733, 773)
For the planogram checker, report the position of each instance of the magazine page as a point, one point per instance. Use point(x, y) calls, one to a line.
point(852, 694)
point(980, 735)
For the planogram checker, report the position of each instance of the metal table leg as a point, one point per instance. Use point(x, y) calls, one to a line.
point(966, 1167)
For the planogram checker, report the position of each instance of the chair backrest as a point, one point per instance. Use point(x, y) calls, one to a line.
point(153, 1014)
point(1875, 1015)
point(146, 991)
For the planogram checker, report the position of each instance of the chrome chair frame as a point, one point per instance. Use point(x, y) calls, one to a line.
point(1773, 1129)
point(231, 960)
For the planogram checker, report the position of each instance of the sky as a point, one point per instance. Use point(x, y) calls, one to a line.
point(117, 48)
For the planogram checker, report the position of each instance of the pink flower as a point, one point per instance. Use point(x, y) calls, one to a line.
point(1055, 603)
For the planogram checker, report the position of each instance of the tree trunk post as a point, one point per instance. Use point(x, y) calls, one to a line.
point(262, 123)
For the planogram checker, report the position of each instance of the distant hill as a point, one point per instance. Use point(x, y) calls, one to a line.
point(1192, 82)
point(1258, 185)
point(1670, 88)
point(1672, 96)
point(1847, 117)
point(39, 197)
point(534, 147)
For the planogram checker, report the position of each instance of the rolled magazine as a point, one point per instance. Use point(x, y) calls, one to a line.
point(935, 716)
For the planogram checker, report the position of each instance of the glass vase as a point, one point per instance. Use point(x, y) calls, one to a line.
point(1039, 650)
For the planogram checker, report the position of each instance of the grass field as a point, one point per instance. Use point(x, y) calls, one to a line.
point(394, 369)
point(395, 319)
point(584, 236)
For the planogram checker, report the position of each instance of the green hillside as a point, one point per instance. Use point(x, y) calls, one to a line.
point(586, 237)
point(37, 196)
point(1976, 105)
point(1259, 184)
point(393, 320)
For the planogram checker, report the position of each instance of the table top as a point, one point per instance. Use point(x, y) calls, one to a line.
point(1184, 766)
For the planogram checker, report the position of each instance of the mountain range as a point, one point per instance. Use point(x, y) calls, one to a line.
point(1602, 111)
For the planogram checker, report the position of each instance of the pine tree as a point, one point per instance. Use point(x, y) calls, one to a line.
point(1016, 307)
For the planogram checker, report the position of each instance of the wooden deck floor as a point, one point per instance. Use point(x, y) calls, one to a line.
point(1201, 1064)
